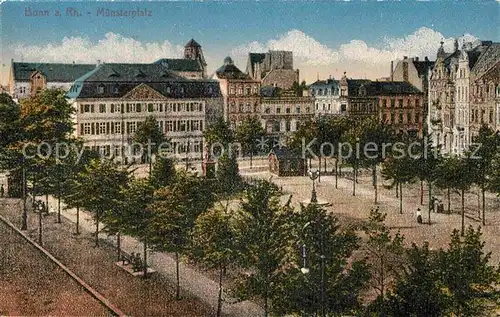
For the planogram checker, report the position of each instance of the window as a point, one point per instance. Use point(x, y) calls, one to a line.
point(116, 90)
point(195, 125)
point(247, 91)
point(384, 103)
point(417, 117)
point(231, 90)
point(483, 113)
point(169, 126)
point(240, 90)
point(276, 126)
point(268, 110)
point(102, 108)
point(240, 107)
point(393, 102)
point(288, 126)
point(150, 107)
point(491, 116)
point(248, 108)
point(343, 108)
point(102, 128)
point(138, 107)
point(86, 128)
point(278, 110)
point(409, 117)
point(181, 90)
point(400, 103)
point(308, 109)
point(182, 125)
point(297, 109)
point(100, 89)
point(287, 110)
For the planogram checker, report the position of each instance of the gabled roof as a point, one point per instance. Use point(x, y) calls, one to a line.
point(284, 153)
point(353, 86)
point(324, 82)
point(487, 60)
point(54, 72)
point(180, 64)
point(229, 71)
point(122, 72)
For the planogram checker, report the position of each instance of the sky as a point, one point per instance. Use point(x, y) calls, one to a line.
point(326, 37)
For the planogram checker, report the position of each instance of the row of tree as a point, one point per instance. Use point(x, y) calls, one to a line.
point(415, 159)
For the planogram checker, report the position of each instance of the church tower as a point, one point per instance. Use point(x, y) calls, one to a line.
point(192, 50)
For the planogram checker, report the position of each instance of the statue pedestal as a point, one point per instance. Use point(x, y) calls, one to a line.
point(319, 202)
point(208, 169)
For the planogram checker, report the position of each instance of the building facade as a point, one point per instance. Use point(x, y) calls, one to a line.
point(274, 68)
point(401, 105)
point(281, 115)
point(240, 92)
point(326, 97)
point(357, 98)
point(28, 78)
point(462, 94)
point(113, 99)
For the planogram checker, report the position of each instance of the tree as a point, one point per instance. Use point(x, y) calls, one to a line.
point(384, 252)
point(466, 273)
point(150, 136)
point(163, 173)
point(419, 291)
point(214, 244)
point(219, 132)
point(487, 143)
point(399, 170)
point(100, 189)
point(174, 211)
point(494, 181)
point(446, 176)
point(262, 234)
point(228, 175)
point(248, 133)
point(134, 217)
point(321, 278)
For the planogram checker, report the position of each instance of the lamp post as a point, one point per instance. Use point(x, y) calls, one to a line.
point(306, 270)
point(313, 175)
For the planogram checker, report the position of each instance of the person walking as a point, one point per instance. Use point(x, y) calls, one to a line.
point(2, 191)
point(419, 216)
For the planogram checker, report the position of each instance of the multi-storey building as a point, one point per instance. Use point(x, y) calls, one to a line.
point(274, 68)
point(326, 97)
point(28, 78)
point(400, 105)
point(416, 72)
point(241, 93)
point(282, 114)
point(456, 108)
point(357, 98)
point(112, 99)
point(485, 91)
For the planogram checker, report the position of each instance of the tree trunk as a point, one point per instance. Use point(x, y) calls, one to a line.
point(324, 165)
point(484, 204)
point(421, 193)
point(77, 219)
point(119, 246)
point(150, 167)
point(354, 181)
point(219, 299)
point(97, 230)
point(429, 185)
point(59, 208)
point(336, 172)
point(449, 200)
point(40, 229)
point(463, 213)
point(251, 157)
point(375, 187)
point(145, 258)
point(401, 198)
point(397, 190)
point(177, 286)
point(47, 203)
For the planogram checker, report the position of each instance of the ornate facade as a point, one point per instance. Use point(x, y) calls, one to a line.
point(114, 98)
point(326, 97)
point(241, 93)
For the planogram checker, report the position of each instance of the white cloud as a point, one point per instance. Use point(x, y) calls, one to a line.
point(306, 50)
point(112, 48)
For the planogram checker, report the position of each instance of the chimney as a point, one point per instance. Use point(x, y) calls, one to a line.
point(392, 71)
point(426, 59)
point(405, 57)
point(416, 58)
point(98, 63)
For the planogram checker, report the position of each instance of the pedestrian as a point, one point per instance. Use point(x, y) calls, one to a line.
point(419, 216)
point(2, 191)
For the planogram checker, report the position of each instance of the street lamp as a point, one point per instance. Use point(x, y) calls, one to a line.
point(306, 270)
point(313, 175)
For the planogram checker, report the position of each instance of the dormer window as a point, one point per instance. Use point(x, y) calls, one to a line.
point(362, 91)
point(168, 90)
point(100, 89)
point(210, 90)
point(181, 90)
point(115, 90)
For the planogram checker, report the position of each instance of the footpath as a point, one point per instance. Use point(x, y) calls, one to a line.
point(192, 281)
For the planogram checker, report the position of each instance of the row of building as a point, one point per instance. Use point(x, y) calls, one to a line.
point(112, 98)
